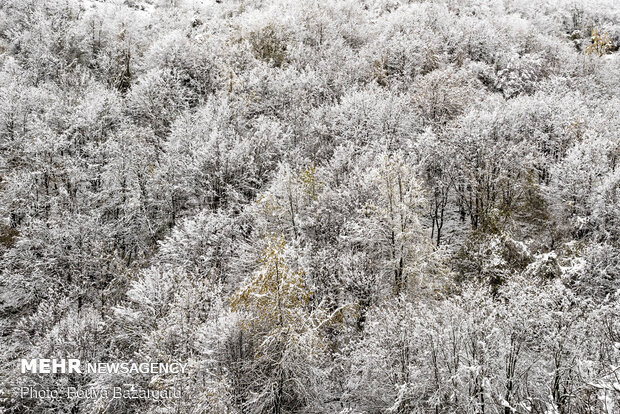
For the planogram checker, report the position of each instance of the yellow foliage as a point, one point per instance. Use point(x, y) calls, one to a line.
point(268, 45)
point(269, 204)
point(310, 184)
point(380, 72)
point(601, 44)
point(275, 293)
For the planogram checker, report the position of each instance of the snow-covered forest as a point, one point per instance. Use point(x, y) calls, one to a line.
point(348, 206)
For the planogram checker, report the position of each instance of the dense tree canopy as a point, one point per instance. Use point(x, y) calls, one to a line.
point(354, 207)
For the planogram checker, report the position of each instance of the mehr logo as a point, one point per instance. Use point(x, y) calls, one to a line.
point(51, 366)
point(70, 366)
